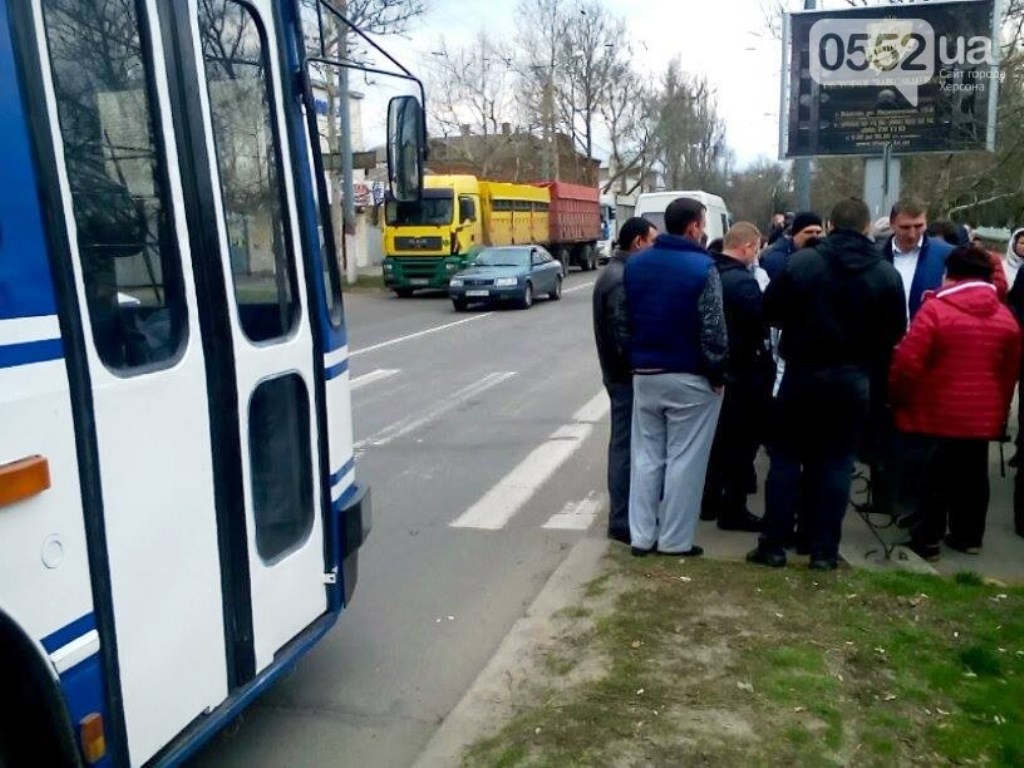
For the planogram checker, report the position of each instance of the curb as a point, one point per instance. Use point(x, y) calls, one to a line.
point(512, 662)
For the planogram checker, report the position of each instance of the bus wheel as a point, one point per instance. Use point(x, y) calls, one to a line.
point(403, 293)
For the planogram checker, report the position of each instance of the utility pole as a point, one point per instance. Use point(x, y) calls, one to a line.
point(802, 165)
point(545, 159)
point(348, 196)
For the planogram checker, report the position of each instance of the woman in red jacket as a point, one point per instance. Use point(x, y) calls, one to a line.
point(950, 386)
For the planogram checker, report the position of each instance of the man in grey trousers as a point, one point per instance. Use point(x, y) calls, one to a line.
point(678, 347)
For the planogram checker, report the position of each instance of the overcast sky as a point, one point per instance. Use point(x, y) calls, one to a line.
point(725, 39)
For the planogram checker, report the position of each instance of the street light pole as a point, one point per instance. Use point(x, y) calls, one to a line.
point(348, 195)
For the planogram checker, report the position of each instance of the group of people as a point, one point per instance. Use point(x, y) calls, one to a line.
point(889, 343)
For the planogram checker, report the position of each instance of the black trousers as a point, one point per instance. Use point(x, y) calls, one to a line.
point(621, 396)
point(956, 492)
point(822, 415)
point(738, 434)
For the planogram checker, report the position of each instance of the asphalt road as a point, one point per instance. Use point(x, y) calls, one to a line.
point(494, 422)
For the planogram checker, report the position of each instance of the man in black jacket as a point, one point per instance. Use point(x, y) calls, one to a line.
point(749, 374)
point(611, 329)
point(841, 309)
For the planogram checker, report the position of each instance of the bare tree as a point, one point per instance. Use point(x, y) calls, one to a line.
point(627, 111)
point(588, 58)
point(691, 136)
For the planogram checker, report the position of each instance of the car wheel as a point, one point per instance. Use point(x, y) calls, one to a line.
point(556, 294)
point(403, 293)
point(461, 305)
point(527, 301)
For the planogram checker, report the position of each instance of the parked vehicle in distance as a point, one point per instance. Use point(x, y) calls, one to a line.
point(652, 205)
point(429, 240)
point(516, 274)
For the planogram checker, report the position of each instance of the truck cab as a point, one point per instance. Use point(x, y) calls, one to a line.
point(429, 240)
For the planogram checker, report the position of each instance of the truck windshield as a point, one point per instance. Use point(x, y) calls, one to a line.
point(426, 212)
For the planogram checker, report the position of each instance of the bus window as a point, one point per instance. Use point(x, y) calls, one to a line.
point(126, 243)
point(238, 83)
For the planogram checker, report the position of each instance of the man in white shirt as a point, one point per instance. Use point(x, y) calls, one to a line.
point(920, 260)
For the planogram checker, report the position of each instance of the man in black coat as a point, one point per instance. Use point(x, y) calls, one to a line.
point(749, 374)
point(841, 309)
point(611, 330)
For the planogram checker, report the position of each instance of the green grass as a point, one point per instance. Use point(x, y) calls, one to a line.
point(716, 664)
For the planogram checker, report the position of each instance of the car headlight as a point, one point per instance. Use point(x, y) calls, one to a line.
point(456, 282)
point(506, 282)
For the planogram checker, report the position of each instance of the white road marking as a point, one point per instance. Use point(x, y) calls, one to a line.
point(576, 515)
point(371, 378)
point(507, 497)
point(577, 288)
point(405, 426)
point(419, 334)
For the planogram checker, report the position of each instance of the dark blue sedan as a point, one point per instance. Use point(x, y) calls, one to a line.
point(514, 273)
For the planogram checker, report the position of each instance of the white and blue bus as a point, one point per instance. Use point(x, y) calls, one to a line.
point(179, 516)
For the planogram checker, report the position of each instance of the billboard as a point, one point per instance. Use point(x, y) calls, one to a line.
point(907, 78)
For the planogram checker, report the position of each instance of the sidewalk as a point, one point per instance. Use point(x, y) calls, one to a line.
point(1002, 556)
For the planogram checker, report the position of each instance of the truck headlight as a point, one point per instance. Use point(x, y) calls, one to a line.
point(506, 282)
point(456, 282)
point(388, 267)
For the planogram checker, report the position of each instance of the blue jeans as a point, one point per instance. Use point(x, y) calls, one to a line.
point(621, 396)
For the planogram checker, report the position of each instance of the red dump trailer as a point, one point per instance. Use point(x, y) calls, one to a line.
point(574, 223)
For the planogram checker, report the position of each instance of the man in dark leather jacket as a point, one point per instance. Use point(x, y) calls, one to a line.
point(749, 373)
point(611, 330)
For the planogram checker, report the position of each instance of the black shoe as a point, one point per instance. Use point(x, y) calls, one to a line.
point(693, 551)
point(745, 521)
point(767, 557)
point(960, 546)
point(641, 552)
point(619, 536)
point(906, 522)
point(823, 564)
point(928, 552)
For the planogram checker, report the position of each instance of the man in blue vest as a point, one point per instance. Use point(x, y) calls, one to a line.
point(678, 349)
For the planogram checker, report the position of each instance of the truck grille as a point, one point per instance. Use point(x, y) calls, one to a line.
point(422, 267)
point(418, 243)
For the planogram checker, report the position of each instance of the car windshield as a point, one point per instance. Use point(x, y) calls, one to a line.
point(504, 257)
point(429, 211)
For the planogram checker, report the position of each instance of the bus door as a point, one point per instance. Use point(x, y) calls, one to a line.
point(236, 72)
point(115, 187)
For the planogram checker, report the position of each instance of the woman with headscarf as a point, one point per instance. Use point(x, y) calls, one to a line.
point(1014, 255)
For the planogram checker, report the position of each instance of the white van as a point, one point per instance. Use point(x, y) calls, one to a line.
point(652, 205)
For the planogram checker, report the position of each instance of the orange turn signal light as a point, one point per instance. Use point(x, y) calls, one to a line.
point(94, 742)
point(23, 479)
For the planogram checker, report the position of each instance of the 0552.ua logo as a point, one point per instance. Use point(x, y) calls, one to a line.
point(898, 53)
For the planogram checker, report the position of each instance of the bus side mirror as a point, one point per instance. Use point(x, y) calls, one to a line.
point(407, 148)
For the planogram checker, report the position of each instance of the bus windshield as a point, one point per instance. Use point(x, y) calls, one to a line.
point(432, 210)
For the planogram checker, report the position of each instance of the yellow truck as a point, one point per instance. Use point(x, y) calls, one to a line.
point(427, 241)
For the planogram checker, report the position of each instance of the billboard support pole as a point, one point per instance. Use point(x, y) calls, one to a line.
point(802, 165)
point(882, 183)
